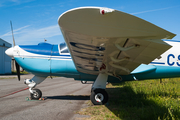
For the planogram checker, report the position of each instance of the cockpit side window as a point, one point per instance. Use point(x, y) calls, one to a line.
point(63, 49)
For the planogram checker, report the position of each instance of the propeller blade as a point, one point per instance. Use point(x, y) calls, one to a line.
point(12, 34)
point(17, 70)
point(17, 65)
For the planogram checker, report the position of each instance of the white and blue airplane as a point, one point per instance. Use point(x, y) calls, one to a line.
point(101, 45)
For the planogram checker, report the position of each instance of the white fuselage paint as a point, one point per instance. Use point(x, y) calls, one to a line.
point(171, 57)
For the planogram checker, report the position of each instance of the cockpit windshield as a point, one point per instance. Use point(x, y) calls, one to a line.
point(63, 48)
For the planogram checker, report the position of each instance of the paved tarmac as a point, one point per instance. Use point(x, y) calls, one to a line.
point(64, 97)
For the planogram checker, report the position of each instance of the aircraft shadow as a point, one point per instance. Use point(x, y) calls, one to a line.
point(128, 105)
point(69, 97)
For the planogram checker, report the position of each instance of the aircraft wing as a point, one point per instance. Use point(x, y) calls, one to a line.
point(110, 40)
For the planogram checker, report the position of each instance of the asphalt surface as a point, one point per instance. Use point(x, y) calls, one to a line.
point(64, 97)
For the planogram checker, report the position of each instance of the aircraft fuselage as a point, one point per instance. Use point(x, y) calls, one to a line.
point(55, 60)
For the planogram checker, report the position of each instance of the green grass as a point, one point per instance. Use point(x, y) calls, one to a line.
point(140, 100)
point(21, 72)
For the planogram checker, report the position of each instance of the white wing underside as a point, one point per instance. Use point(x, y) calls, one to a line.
point(118, 40)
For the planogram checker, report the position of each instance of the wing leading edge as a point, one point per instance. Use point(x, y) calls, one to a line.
point(119, 42)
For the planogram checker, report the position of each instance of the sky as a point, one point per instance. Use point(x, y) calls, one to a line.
point(36, 20)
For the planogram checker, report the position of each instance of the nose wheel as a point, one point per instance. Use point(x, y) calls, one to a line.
point(36, 94)
point(99, 97)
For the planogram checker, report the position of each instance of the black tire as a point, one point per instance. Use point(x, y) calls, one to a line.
point(99, 97)
point(83, 82)
point(36, 94)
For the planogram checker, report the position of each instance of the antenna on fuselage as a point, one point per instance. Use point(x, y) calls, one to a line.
point(45, 40)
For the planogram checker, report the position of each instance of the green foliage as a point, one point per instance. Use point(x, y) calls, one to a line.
point(22, 72)
point(142, 100)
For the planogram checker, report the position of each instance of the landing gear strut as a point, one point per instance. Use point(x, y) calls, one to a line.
point(98, 94)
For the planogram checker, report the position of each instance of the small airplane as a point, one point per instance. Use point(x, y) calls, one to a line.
point(101, 45)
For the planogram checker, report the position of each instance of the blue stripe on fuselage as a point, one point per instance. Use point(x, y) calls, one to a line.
point(43, 49)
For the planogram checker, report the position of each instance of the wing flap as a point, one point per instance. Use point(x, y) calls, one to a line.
point(145, 52)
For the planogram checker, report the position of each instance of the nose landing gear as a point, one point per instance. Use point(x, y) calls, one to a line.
point(35, 94)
